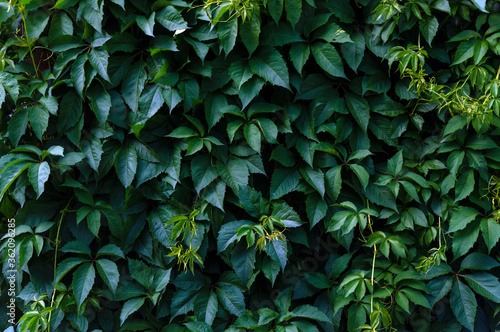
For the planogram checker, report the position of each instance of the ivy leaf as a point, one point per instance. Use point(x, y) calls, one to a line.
point(206, 306)
point(465, 185)
point(328, 58)
point(299, 54)
point(252, 136)
point(38, 174)
point(108, 272)
point(268, 63)
point(65, 266)
point(287, 216)
point(359, 109)
point(133, 84)
point(461, 218)
point(283, 181)
point(130, 307)
point(275, 8)
point(484, 284)
point(78, 73)
point(228, 233)
point(8, 84)
point(17, 125)
point(39, 120)
point(227, 32)
point(277, 250)
point(311, 312)
point(99, 60)
point(429, 27)
point(333, 182)
point(171, 19)
point(202, 171)
point(463, 304)
point(231, 298)
point(316, 208)
point(243, 261)
point(93, 150)
point(293, 11)
point(126, 164)
point(146, 24)
point(491, 232)
point(83, 280)
point(353, 53)
point(465, 239)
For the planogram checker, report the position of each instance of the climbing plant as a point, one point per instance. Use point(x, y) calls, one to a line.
point(247, 165)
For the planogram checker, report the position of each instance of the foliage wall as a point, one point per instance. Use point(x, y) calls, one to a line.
point(283, 165)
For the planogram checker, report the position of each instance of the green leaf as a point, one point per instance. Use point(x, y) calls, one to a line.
point(477, 261)
point(439, 287)
point(353, 53)
point(480, 4)
point(94, 221)
point(465, 239)
point(228, 233)
point(333, 182)
point(463, 304)
point(277, 250)
point(146, 24)
point(65, 266)
point(83, 280)
point(395, 164)
point(235, 173)
point(429, 27)
point(110, 249)
point(10, 174)
point(465, 185)
point(286, 215)
point(243, 261)
point(100, 102)
point(491, 232)
point(250, 32)
point(132, 85)
point(484, 284)
point(227, 32)
point(92, 11)
point(275, 8)
point(202, 172)
point(311, 312)
point(381, 195)
point(39, 120)
point(17, 125)
point(38, 174)
point(328, 58)
point(206, 306)
point(464, 52)
point(283, 181)
point(108, 272)
point(456, 123)
point(99, 60)
point(8, 84)
point(126, 164)
point(240, 72)
point(316, 209)
point(299, 53)
point(461, 218)
point(93, 150)
point(293, 10)
point(214, 194)
point(78, 73)
point(130, 307)
point(315, 178)
point(141, 272)
point(171, 19)
point(231, 298)
point(318, 280)
point(252, 136)
point(359, 108)
point(268, 63)
point(343, 11)
point(361, 173)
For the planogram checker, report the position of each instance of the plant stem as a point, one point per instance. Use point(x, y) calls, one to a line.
point(63, 212)
point(373, 274)
point(28, 43)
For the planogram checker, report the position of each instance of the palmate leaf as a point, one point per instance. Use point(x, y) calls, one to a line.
point(206, 306)
point(269, 64)
point(463, 304)
point(83, 281)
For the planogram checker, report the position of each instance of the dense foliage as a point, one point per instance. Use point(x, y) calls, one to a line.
point(236, 165)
